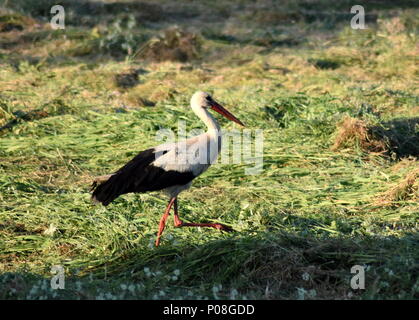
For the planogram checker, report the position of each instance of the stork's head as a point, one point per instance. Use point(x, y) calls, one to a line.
point(204, 100)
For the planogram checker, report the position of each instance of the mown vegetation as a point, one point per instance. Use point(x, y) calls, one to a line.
point(340, 118)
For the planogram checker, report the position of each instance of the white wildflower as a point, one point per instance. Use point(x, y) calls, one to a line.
point(306, 276)
point(301, 292)
point(233, 294)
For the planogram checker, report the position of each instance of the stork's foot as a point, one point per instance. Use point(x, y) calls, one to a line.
point(222, 227)
point(219, 226)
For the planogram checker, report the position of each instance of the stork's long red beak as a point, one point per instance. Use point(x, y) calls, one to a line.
point(224, 112)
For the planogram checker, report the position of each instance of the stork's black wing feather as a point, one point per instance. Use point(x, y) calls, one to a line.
point(139, 175)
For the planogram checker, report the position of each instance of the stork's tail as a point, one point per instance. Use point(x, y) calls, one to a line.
point(102, 190)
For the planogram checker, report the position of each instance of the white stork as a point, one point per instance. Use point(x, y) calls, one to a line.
point(169, 167)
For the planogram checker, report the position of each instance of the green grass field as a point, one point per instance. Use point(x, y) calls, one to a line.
point(340, 118)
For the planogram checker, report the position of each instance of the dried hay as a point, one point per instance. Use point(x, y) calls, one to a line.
point(355, 132)
point(406, 189)
point(173, 45)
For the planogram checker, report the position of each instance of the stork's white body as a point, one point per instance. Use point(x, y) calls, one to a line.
point(194, 155)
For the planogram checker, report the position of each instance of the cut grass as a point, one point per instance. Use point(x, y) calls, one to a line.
point(302, 223)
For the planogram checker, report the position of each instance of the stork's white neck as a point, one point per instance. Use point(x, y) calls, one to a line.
point(208, 119)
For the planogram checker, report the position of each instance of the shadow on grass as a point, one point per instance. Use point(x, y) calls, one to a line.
point(89, 13)
point(401, 136)
point(149, 11)
point(24, 116)
point(261, 265)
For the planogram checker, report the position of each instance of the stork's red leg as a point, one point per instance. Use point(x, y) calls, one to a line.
point(163, 219)
point(180, 223)
point(177, 221)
